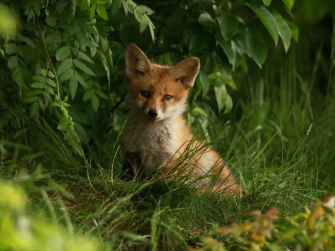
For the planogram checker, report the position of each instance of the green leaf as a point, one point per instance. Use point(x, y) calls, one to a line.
point(128, 33)
point(144, 23)
point(204, 1)
point(18, 76)
point(52, 21)
point(220, 94)
point(54, 38)
point(40, 101)
point(28, 52)
point(50, 74)
point(138, 15)
point(2, 52)
point(206, 19)
point(219, 74)
point(204, 81)
point(228, 25)
point(227, 48)
point(82, 55)
point(88, 95)
point(101, 94)
point(199, 41)
point(74, 6)
point(104, 44)
point(256, 46)
point(82, 38)
point(210, 64)
point(83, 67)
point(30, 99)
point(95, 102)
point(49, 89)
point(45, 73)
point(267, 19)
point(283, 29)
point(198, 111)
point(93, 8)
point(144, 10)
point(50, 82)
point(67, 75)
point(244, 64)
point(47, 96)
point(26, 40)
point(39, 79)
point(13, 123)
point(63, 53)
point(34, 109)
point(38, 85)
point(151, 28)
point(88, 28)
point(12, 62)
point(71, 29)
point(229, 104)
point(116, 4)
point(267, 2)
point(102, 12)
point(65, 65)
point(73, 86)
point(33, 93)
point(10, 48)
point(289, 3)
point(294, 30)
point(37, 7)
point(80, 78)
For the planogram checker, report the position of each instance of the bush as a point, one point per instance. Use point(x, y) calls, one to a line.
point(65, 58)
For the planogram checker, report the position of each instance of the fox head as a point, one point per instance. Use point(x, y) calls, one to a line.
point(160, 92)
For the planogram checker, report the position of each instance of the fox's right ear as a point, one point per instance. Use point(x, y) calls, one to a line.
point(136, 62)
point(186, 71)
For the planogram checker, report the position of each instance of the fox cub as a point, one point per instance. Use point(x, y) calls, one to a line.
point(156, 135)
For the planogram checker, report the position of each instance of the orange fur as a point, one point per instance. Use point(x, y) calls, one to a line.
point(156, 134)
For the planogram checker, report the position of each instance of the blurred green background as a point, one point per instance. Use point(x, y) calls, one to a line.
point(61, 139)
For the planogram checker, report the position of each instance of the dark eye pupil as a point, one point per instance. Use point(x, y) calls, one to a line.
point(168, 97)
point(145, 93)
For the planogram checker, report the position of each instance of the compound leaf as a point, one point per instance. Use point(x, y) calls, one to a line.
point(95, 102)
point(73, 85)
point(63, 53)
point(83, 67)
point(101, 10)
point(65, 65)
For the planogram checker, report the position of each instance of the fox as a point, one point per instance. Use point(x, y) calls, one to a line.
point(156, 135)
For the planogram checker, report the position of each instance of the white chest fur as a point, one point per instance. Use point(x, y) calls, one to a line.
point(155, 142)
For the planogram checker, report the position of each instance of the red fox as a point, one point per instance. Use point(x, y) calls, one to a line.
point(156, 134)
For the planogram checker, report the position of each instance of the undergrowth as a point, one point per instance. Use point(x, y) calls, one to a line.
point(278, 143)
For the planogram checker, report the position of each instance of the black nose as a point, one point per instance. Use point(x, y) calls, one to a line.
point(153, 113)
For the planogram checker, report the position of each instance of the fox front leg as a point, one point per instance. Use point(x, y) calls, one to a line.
point(131, 165)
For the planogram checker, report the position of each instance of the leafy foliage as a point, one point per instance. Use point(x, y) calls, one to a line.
point(67, 57)
point(312, 230)
point(20, 231)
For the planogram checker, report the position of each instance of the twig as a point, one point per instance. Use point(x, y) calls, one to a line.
point(45, 46)
point(115, 107)
point(118, 103)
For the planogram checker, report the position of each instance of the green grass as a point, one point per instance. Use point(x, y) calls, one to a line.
point(279, 140)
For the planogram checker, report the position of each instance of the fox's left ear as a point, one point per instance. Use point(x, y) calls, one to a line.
point(186, 71)
point(136, 62)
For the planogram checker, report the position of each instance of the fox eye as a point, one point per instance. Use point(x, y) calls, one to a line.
point(145, 94)
point(167, 97)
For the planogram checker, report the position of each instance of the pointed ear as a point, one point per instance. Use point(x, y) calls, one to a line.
point(136, 62)
point(186, 71)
